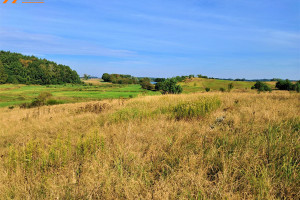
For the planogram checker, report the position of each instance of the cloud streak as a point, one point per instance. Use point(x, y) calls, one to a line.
point(159, 37)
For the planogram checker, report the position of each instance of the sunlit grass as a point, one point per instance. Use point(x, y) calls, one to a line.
point(17, 94)
point(233, 146)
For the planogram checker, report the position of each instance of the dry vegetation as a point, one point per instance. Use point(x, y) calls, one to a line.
point(245, 147)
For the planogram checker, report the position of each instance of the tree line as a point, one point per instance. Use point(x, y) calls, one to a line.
point(16, 68)
point(120, 78)
point(166, 86)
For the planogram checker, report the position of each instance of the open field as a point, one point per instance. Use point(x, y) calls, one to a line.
point(11, 95)
point(189, 146)
point(17, 94)
point(199, 84)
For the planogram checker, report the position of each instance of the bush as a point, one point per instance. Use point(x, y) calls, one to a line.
point(196, 109)
point(39, 101)
point(288, 85)
point(207, 89)
point(146, 84)
point(170, 86)
point(261, 87)
point(52, 102)
point(296, 87)
point(222, 89)
point(284, 85)
point(43, 96)
point(230, 86)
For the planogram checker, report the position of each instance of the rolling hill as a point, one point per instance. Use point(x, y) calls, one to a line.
point(17, 68)
point(199, 85)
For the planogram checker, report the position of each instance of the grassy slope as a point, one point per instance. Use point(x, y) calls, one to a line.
point(134, 149)
point(16, 94)
point(199, 85)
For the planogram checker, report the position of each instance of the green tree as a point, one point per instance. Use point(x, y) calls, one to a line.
point(146, 84)
point(169, 86)
point(86, 77)
point(31, 70)
point(3, 75)
point(106, 77)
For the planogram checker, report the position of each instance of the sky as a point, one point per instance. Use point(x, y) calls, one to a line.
point(159, 38)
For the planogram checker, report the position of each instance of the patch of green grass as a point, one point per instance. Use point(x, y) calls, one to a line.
point(199, 85)
point(17, 94)
point(196, 109)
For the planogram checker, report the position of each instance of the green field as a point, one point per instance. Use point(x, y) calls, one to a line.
point(95, 90)
point(199, 85)
point(17, 94)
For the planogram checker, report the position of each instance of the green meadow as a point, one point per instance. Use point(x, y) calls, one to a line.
point(11, 95)
point(199, 84)
point(16, 94)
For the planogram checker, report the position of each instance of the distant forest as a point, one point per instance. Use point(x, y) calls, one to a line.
point(17, 68)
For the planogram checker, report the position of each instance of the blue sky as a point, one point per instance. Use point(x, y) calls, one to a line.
point(160, 38)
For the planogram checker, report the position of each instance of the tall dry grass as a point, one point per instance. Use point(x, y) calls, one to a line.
point(248, 148)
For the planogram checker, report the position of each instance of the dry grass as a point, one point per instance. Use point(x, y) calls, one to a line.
point(95, 81)
point(134, 149)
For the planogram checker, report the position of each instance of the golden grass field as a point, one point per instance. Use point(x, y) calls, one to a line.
point(246, 147)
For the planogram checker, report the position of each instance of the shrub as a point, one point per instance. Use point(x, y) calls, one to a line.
point(288, 85)
point(170, 86)
point(230, 86)
point(196, 109)
point(207, 89)
point(43, 96)
point(39, 101)
point(260, 86)
point(222, 89)
point(284, 85)
point(296, 87)
point(146, 84)
point(52, 102)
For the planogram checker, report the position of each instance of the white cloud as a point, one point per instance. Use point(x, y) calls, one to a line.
point(50, 44)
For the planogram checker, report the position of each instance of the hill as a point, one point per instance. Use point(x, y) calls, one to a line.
point(17, 68)
point(199, 84)
point(230, 146)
